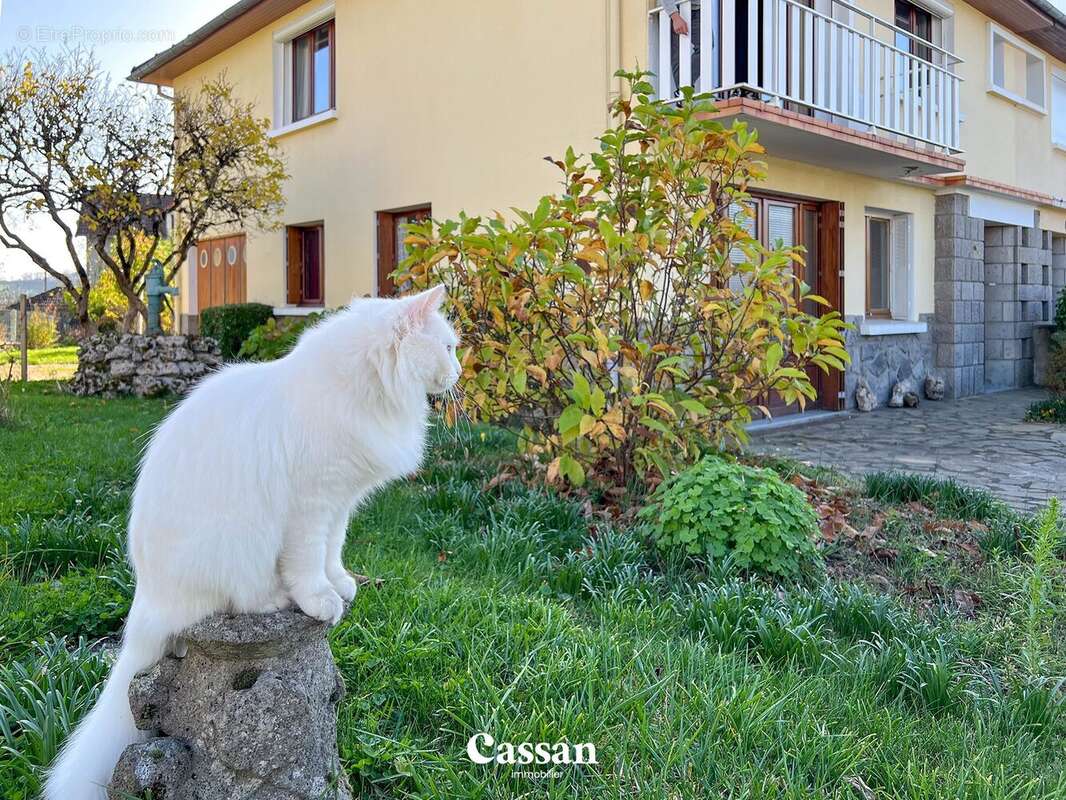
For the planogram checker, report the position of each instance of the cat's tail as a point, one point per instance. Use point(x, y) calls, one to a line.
point(83, 768)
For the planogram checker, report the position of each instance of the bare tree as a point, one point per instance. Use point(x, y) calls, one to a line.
point(147, 176)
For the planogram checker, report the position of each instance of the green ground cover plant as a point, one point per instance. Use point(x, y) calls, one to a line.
point(719, 508)
point(509, 609)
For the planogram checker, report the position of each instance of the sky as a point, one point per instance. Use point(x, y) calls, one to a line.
point(123, 34)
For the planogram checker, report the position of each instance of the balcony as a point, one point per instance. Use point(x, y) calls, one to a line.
point(877, 100)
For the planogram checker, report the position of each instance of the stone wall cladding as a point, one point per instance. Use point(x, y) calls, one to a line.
point(111, 364)
point(959, 296)
point(884, 360)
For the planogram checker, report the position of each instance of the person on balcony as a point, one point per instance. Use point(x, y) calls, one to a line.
point(681, 28)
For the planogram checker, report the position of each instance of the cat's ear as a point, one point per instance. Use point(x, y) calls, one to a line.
point(417, 308)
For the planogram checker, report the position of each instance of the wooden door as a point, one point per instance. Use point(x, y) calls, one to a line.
point(221, 271)
point(818, 227)
point(234, 269)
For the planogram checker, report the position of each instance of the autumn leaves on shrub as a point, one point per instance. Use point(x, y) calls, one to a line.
point(631, 321)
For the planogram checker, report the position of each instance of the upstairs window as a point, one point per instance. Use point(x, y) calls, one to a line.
point(1058, 109)
point(919, 23)
point(313, 72)
point(1016, 70)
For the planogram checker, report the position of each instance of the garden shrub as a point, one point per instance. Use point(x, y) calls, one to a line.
point(632, 318)
point(1051, 410)
point(1056, 365)
point(718, 508)
point(272, 340)
point(41, 330)
point(230, 325)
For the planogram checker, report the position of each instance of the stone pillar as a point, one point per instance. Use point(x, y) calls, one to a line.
point(1017, 295)
point(1058, 269)
point(250, 712)
point(958, 293)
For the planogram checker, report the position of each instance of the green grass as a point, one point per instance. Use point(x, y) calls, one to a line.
point(506, 611)
point(44, 355)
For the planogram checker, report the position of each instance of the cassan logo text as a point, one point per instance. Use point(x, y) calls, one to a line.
point(483, 749)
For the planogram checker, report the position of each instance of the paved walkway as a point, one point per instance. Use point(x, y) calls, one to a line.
point(981, 441)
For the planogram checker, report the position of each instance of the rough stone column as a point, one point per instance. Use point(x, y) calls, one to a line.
point(959, 296)
point(249, 713)
point(1018, 293)
point(1058, 269)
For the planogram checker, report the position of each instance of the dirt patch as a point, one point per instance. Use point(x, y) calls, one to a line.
point(907, 551)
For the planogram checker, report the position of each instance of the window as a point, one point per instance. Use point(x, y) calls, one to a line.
point(878, 266)
point(312, 72)
point(1058, 108)
point(305, 257)
point(1016, 70)
point(305, 69)
point(889, 277)
point(392, 230)
point(919, 23)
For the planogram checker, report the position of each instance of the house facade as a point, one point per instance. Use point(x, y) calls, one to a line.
point(916, 148)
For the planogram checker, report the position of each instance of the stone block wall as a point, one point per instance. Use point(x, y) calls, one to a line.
point(959, 297)
point(883, 360)
point(1058, 269)
point(1018, 294)
point(112, 364)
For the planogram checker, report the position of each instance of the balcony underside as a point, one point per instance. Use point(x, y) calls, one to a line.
point(798, 137)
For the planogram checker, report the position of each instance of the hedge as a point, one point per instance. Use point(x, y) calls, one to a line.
point(230, 325)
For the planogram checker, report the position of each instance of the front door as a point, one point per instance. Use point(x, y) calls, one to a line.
point(816, 226)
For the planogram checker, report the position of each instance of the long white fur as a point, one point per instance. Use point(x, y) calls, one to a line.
point(245, 492)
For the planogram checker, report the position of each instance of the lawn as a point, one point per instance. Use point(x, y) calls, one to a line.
point(43, 356)
point(507, 610)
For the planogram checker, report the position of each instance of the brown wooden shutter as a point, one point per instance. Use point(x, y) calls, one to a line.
point(831, 287)
point(294, 267)
point(386, 253)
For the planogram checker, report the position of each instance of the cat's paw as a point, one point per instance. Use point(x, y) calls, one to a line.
point(344, 584)
point(320, 602)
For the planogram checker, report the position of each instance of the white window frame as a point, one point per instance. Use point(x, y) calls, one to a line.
point(994, 32)
point(283, 38)
point(902, 319)
point(1060, 76)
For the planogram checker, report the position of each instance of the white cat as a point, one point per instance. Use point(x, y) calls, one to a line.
point(245, 492)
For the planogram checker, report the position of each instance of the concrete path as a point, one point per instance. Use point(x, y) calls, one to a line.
point(981, 441)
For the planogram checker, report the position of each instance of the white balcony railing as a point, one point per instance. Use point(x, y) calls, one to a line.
point(784, 52)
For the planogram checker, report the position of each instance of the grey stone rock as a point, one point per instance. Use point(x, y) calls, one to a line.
point(898, 390)
point(935, 387)
point(156, 768)
point(250, 711)
point(910, 399)
point(864, 398)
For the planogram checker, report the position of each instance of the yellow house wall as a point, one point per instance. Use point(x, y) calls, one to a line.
point(858, 193)
point(1003, 141)
point(455, 103)
point(450, 103)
